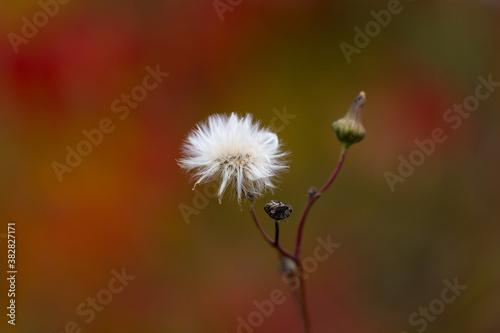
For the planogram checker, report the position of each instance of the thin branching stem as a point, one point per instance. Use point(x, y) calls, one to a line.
point(315, 197)
point(276, 232)
point(270, 240)
point(300, 294)
point(306, 327)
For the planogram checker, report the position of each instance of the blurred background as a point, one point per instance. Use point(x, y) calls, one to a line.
point(122, 207)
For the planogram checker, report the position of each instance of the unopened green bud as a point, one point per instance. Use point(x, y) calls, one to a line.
point(349, 129)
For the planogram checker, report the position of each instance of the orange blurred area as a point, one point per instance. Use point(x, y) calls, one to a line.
point(96, 98)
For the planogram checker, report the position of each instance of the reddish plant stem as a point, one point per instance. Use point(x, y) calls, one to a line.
point(300, 297)
point(315, 197)
point(270, 240)
point(306, 328)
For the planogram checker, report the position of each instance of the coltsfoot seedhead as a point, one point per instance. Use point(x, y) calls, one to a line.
point(234, 150)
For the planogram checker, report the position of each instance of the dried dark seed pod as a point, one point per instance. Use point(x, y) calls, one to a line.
point(278, 210)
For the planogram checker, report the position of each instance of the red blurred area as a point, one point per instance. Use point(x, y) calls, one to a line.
point(120, 206)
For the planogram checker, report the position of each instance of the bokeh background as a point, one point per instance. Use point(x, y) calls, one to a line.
point(120, 208)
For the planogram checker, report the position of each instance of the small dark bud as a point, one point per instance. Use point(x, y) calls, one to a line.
point(278, 210)
point(312, 192)
point(287, 266)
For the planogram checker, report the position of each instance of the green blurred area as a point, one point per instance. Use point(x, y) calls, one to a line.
point(121, 206)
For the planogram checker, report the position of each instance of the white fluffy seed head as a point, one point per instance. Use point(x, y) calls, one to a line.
point(233, 150)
